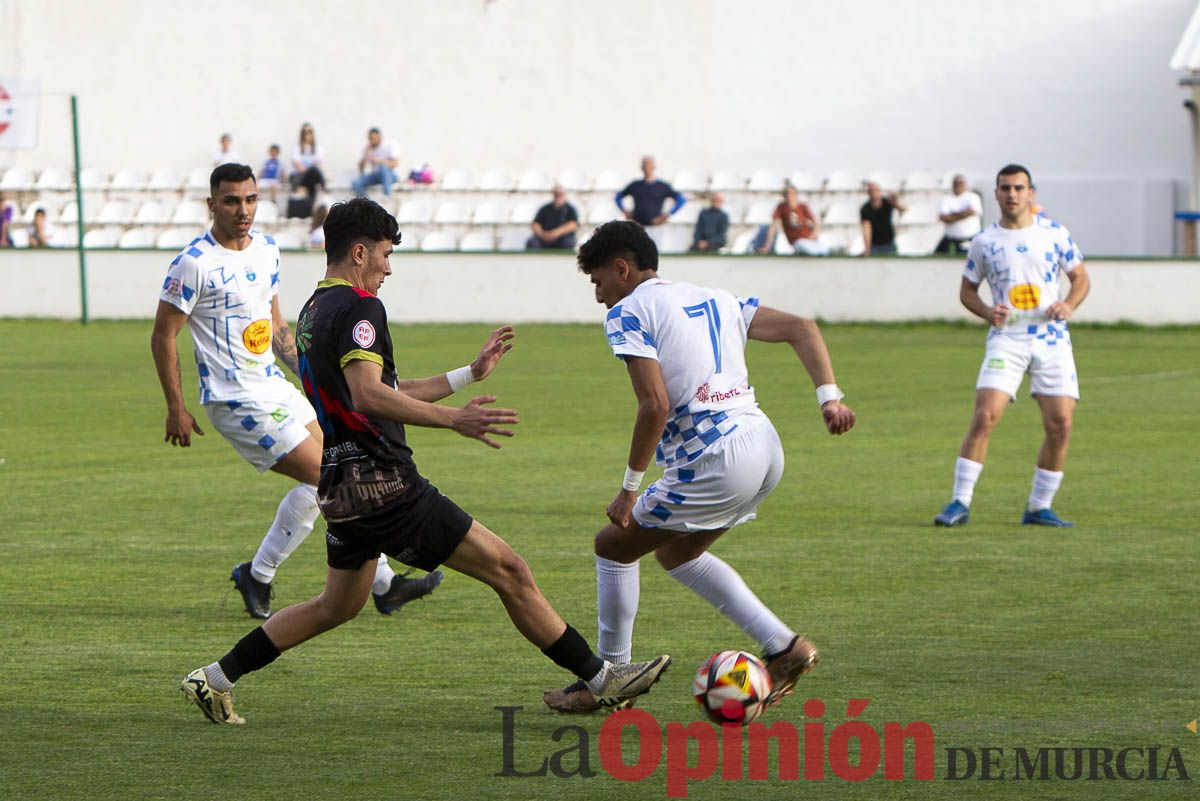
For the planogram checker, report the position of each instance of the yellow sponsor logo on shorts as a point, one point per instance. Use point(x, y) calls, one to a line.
point(257, 336)
point(1025, 296)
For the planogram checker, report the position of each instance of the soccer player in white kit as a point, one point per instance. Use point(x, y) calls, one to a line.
point(225, 286)
point(1021, 257)
point(684, 348)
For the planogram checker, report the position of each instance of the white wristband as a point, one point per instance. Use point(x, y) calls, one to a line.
point(633, 479)
point(827, 393)
point(460, 378)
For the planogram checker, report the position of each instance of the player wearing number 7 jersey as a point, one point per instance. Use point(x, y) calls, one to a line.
point(684, 348)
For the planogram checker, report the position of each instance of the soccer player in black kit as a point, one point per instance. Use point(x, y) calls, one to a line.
point(370, 492)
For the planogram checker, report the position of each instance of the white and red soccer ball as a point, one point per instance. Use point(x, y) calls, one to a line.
point(732, 687)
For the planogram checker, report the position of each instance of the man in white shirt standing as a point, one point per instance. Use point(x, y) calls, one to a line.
point(377, 165)
point(962, 212)
point(684, 349)
point(1021, 257)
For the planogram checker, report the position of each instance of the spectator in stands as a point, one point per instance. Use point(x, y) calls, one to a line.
point(39, 230)
point(801, 227)
point(712, 226)
point(377, 165)
point(962, 212)
point(879, 234)
point(225, 153)
point(271, 174)
point(316, 232)
point(307, 157)
point(6, 216)
point(648, 195)
point(555, 225)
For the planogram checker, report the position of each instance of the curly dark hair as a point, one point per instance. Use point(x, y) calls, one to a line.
point(619, 238)
point(233, 173)
point(358, 220)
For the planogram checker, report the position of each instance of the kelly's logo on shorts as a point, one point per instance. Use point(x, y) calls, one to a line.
point(257, 336)
point(1025, 296)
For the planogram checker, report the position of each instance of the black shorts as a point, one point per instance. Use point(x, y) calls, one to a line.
point(421, 533)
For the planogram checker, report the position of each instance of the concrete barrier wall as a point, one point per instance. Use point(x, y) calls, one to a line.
point(519, 288)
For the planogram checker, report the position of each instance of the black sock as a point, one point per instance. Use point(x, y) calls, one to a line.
point(571, 651)
point(252, 652)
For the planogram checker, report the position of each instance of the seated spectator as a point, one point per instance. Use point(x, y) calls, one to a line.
point(377, 165)
point(555, 225)
point(40, 232)
point(799, 225)
point(316, 231)
point(307, 157)
point(879, 234)
point(271, 174)
point(648, 195)
point(962, 212)
point(225, 153)
point(712, 226)
point(420, 175)
point(6, 217)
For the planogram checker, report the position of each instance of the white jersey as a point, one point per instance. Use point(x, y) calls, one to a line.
point(698, 337)
point(1022, 267)
point(227, 296)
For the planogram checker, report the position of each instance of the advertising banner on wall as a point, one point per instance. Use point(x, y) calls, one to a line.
point(19, 98)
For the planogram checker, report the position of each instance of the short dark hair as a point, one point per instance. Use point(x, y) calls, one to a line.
point(234, 173)
point(357, 220)
point(375, 131)
point(618, 239)
point(1013, 169)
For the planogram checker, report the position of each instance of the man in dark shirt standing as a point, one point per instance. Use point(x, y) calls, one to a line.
point(712, 226)
point(370, 492)
point(555, 224)
point(649, 195)
point(879, 235)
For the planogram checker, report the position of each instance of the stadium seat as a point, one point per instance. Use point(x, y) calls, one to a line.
point(416, 211)
point(54, 179)
point(765, 181)
point(165, 179)
point(152, 212)
point(65, 237)
point(690, 212)
point(919, 241)
point(451, 213)
point(478, 242)
point(782, 246)
point(760, 212)
point(689, 181)
point(888, 182)
point(535, 180)
point(489, 212)
point(288, 239)
point(137, 238)
point(19, 236)
point(190, 212)
point(741, 244)
point(50, 207)
point(574, 180)
point(524, 212)
point(611, 181)
point(513, 241)
point(843, 181)
point(93, 178)
point(100, 238)
point(727, 181)
point(919, 214)
point(854, 243)
point(267, 214)
point(457, 181)
point(174, 238)
point(438, 242)
point(834, 240)
point(69, 215)
point(114, 212)
point(197, 181)
point(497, 180)
point(17, 179)
point(674, 240)
point(805, 181)
point(601, 212)
point(842, 212)
point(131, 180)
point(921, 181)
point(410, 241)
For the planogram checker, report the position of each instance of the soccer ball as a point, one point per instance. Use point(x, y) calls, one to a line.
point(732, 687)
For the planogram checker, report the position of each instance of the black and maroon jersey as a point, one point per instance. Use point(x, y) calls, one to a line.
point(366, 463)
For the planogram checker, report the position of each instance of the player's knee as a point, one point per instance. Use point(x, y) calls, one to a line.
point(513, 573)
point(1058, 427)
point(609, 547)
point(985, 419)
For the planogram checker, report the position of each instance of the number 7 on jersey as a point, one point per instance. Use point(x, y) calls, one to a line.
point(709, 311)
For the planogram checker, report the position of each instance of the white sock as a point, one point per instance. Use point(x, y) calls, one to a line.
point(216, 678)
point(293, 522)
point(966, 473)
point(383, 576)
point(722, 586)
point(596, 683)
point(1045, 484)
point(618, 588)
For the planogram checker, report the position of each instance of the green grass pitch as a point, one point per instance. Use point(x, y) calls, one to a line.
point(115, 553)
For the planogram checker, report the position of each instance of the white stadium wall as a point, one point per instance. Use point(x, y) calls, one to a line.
point(783, 84)
point(451, 288)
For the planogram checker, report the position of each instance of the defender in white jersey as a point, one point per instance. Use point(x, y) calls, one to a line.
point(1022, 258)
point(225, 286)
point(684, 348)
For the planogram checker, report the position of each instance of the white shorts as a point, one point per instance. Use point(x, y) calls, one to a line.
point(722, 488)
point(264, 430)
point(1050, 363)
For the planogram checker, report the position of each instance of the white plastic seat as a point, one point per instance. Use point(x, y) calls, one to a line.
point(197, 180)
point(513, 241)
point(478, 242)
point(457, 181)
point(190, 212)
point(93, 178)
point(919, 214)
point(602, 211)
point(805, 181)
point(727, 181)
point(100, 238)
point(535, 180)
point(19, 236)
point(54, 179)
point(451, 213)
point(267, 214)
point(131, 180)
point(114, 212)
point(69, 215)
point(165, 179)
point(742, 242)
point(524, 212)
point(689, 181)
point(760, 212)
point(497, 180)
point(574, 180)
point(921, 181)
point(489, 212)
point(611, 181)
point(65, 237)
point(765, 181)
point(51, 209)
point(288, 239)
point(843, 181)
point(842, 212)
point(437, 242)
point(674, 240)
point(689, 213)
point(137, 238)
point(152, 212)
point(834, 240)
point(174, 238)
point(414, 212)
point(915, 242)
point(17, 179)
point(888, 182)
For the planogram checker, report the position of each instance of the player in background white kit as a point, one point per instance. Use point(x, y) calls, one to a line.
point(684, 349)
point(225, 286)
point(1021, 257)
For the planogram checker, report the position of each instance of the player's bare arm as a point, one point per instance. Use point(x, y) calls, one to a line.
point(1081, 283)
point(653, 408)
point(475, 421)
point(168, 321)
point(434, 388)
point(968, 295)
point(282, 340)
point(804, 335)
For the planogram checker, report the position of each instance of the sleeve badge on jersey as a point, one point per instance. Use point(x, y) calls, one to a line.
point(173, 286)
point(364, 333)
